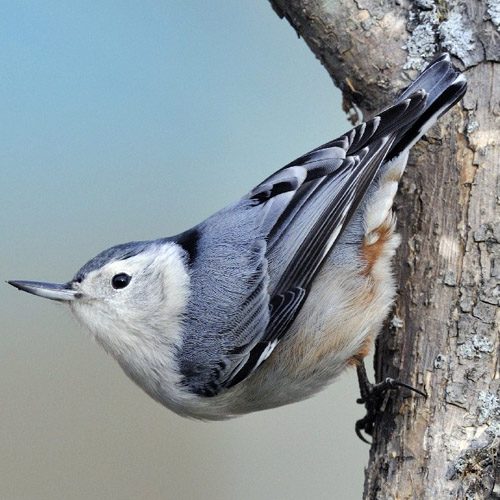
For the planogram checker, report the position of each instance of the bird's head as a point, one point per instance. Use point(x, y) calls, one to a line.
point(131, 297)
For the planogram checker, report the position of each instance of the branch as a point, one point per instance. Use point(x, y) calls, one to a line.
point(444, 332)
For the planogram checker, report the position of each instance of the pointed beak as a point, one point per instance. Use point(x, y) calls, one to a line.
point(62, 292)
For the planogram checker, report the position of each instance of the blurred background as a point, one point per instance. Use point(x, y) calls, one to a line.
point(132, 120)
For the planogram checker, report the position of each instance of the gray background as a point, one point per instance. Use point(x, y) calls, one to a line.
point(132, 120)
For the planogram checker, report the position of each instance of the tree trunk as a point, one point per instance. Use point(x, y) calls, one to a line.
point(444, 334)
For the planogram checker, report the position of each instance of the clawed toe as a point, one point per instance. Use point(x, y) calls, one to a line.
point(372, 397)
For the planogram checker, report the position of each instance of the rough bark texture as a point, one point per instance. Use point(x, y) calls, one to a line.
point(444, 334)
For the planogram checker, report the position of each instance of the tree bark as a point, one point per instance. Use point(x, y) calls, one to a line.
point(444, 333)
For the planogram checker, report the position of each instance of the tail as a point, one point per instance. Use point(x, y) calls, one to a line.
point(444, 86)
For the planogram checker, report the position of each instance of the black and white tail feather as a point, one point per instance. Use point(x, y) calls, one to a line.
point(291, 222)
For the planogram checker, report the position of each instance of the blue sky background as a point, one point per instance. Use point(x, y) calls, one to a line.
point(133, 120)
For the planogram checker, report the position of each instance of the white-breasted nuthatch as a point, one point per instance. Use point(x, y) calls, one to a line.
point(268, 300)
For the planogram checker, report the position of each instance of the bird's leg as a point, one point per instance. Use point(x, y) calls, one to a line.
point(372, 396)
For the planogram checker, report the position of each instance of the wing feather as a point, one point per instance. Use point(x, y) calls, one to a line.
point(291, 221)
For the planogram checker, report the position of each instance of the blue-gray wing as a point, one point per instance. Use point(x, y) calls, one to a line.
point(255, 260)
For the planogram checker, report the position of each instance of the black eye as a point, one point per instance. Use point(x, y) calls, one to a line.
point(120, 280)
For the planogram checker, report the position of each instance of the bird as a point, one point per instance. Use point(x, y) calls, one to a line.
point(268, 300)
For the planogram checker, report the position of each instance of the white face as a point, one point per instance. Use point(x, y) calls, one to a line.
point(133, 306)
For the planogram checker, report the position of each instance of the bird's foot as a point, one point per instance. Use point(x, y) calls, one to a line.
point(373, 396)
